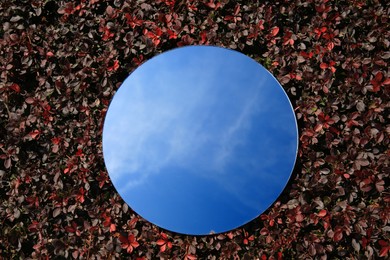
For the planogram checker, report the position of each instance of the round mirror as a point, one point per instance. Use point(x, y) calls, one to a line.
point(200, 140)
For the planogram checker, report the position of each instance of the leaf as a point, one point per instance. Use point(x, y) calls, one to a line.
point(325, 171)
point(7, 163)
point(30, 100)
point(160, 242)
point(112, 227)
point(299, 218)
point(355, 245)
point(16, 213)
point(55, 148)
point(318, 128)
point(190, 257)
point(75, 254)
point(34, 134)
point(338, 235)
point(16, 18)
point(237, 9)
point(109, 11)
point(322, 213)
point(264, 231)
point(56, 212)
point(380, 185)
point(114, 67)
point(384, 251)
point(378, 76)
point(360, 106)
point(323, 65)
point(274, 31)
point(15, 87)
point(211, 4)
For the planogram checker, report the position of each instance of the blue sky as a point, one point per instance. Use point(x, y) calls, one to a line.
point(200, 139)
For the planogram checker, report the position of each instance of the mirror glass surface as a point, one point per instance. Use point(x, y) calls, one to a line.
point(200, 139)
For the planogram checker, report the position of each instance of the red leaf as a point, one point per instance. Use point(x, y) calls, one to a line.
point(211, 4)
point(33, 227)
point(322, 213)
point(15, 87)
point(275, 31)
point(386, 82)
point(34, 134)
point(378, 76)
point(133, 222)
point(172, 34)
point(264, 231)
point(114, 67)
point(134, 244)
point(70, 229)
point(237, 9)
point(384, 251)
point(323, 65)
point(338, 235)
point(299, 218)
point(133, 21)
point(330, 46)
point(191, 257)
point(123, 239)
point(56, 140)
point(318, 127)
point(325, 89)
point(203, 36)
point(112, 227)
point(79, 152)
point(160, 242)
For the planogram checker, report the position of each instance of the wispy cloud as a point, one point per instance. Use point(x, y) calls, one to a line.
point(208, 120)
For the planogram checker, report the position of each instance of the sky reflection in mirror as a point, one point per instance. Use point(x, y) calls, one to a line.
point(200, 139)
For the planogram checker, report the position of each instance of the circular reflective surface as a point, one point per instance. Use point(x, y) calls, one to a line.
point(200, 139)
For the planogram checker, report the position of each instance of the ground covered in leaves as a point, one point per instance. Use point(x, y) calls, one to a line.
point(62, 61)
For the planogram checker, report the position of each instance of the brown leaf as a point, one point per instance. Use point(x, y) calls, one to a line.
point(29, 100)
point(355, 245)
point(16, 213)
point(7, 163)
point(360, 106)
point(56, 212)
point(380, 185)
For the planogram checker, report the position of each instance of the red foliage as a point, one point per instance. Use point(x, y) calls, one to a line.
point(164, 242)
point(63, 60)
point(128, 242)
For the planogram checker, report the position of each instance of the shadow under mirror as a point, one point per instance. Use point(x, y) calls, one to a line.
point(200, 139)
